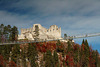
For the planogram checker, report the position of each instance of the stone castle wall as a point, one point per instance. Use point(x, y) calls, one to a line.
point(52, 33)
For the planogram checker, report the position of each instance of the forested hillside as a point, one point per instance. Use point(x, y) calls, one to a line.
point(49, 54)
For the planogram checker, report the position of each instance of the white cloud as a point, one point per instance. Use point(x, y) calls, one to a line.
point(20, 21)
point(57, 7)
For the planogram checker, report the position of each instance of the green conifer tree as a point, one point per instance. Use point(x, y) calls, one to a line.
point(23, 56)
point(76, 54)
point(83, 41)
point(32, 54)
point(97, 54)
point(15, 55)
point(36, 32)
point(7, 49)
point(1, 32)
point(69, 48)
point(82, 54)
point(14, 33)
point(49, 60)
point(87, 52)
point(9, 32)
point(55, 56)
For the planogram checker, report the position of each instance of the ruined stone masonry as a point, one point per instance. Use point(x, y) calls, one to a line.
point(44, 34)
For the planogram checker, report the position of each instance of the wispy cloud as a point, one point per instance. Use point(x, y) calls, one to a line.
point(55, 7)
point(58, 7)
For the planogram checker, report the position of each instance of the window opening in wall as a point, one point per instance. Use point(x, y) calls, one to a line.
point(47, 30)
point(53, 29)
point(57, 28)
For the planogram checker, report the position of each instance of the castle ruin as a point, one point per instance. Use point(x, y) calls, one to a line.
point(44, 34)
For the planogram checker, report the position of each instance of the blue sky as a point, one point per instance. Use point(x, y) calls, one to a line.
point(73, 16)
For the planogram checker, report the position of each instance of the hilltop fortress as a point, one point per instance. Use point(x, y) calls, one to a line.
point(44, 34)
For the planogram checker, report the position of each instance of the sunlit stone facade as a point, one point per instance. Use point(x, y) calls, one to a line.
point(44, 34)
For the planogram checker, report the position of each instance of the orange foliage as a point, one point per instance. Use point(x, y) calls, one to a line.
point(46, 46)
point(12, 64)
point(67, 56)
point(83, 46)
point(1, 61)
point(71, 63)
point(75, 47)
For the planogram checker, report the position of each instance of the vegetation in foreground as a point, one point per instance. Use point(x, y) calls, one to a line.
point(49, 54)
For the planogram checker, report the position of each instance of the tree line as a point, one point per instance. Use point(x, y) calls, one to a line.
point(8, 33)
point(50, 54)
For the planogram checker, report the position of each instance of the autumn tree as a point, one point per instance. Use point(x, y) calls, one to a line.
point(12, 64)
point(1, 61)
